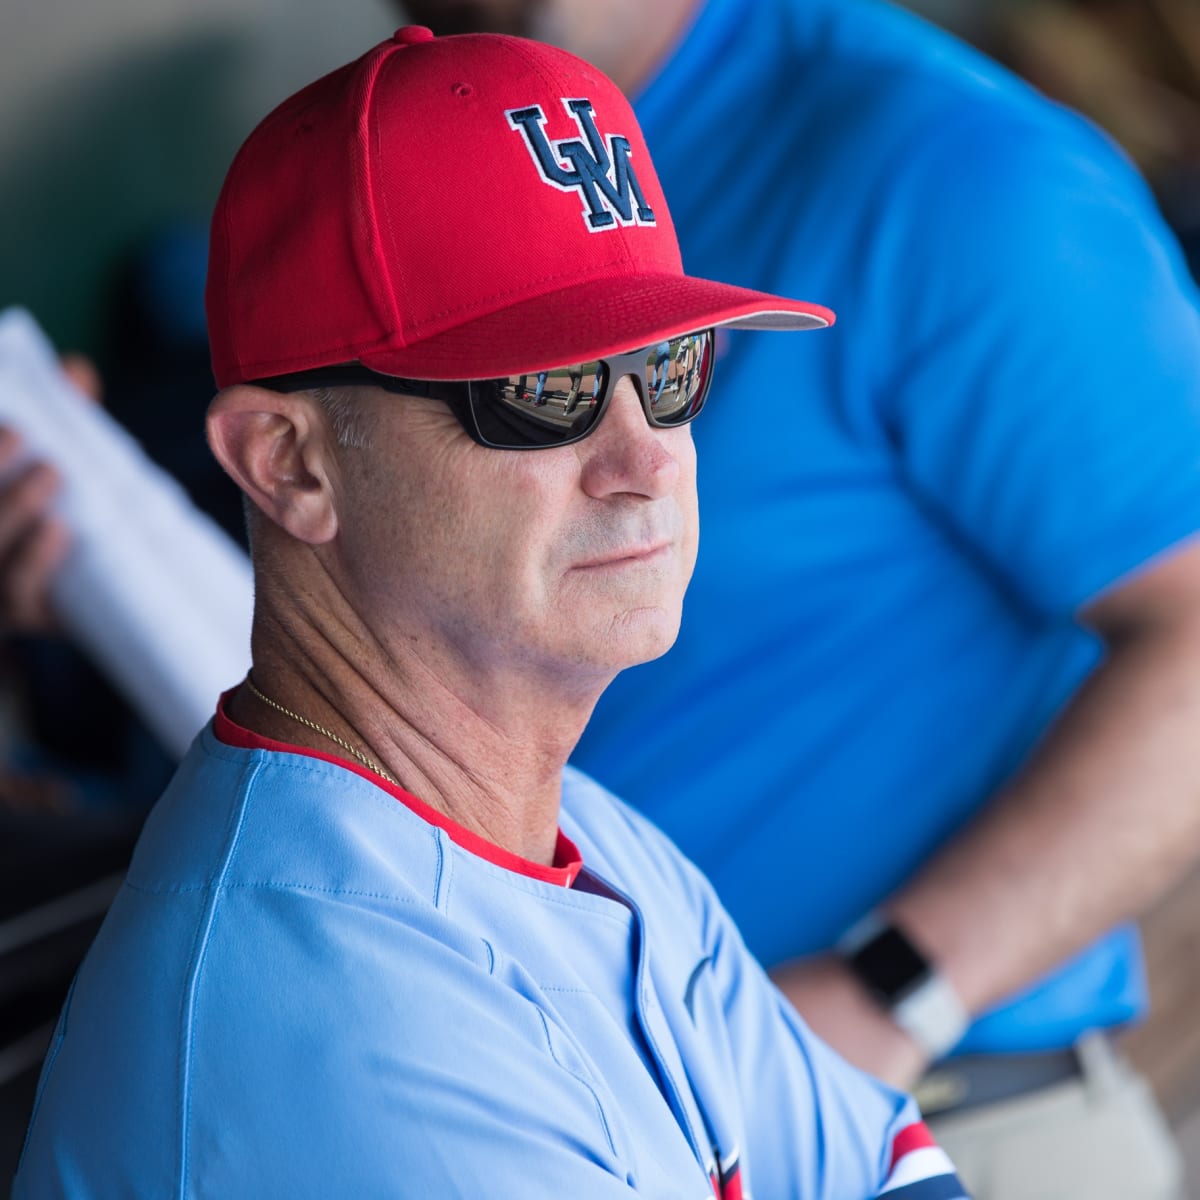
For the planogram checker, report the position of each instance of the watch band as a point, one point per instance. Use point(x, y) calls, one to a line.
point(917, 996)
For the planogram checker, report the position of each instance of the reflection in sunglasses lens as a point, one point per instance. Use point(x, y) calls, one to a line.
point(564, 397)
point(675, 376)
point(543, 408)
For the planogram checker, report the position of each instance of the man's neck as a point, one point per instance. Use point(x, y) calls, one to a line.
point(487, 754)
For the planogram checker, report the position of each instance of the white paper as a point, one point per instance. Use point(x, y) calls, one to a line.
point(153, 589)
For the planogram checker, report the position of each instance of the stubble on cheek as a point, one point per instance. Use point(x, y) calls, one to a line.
point(626, 609)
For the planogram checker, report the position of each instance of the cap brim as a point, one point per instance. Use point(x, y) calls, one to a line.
point(588, 321)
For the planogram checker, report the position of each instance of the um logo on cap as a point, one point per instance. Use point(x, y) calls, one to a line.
point(601, 174)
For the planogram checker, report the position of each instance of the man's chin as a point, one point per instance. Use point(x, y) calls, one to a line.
point(644, 634)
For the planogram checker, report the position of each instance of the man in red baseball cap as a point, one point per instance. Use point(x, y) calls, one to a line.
point(376, 938)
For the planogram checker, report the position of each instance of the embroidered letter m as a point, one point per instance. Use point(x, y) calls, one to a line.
point(600, 172)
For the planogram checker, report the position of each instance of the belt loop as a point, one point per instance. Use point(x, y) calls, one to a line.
point(1099, 1064)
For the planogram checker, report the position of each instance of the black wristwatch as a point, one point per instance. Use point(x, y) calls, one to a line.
point(914, 993)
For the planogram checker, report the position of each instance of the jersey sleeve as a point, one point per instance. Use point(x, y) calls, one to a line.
point(918, 1168)
point(1042, 377)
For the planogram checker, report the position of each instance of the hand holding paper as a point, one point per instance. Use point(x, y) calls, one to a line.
point(155, 592)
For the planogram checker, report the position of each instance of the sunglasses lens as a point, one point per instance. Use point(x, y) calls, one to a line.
point(550, 408)
point(677, 373)
point(544, 408)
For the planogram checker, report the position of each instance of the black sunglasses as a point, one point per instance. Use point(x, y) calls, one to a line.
point(540, 409)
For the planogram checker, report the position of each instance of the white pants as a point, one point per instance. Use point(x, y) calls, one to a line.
point(1096, 1137)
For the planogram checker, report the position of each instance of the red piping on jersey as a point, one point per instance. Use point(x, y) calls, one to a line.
point(912, 1137)
point(727, 1187)
point(567, 860)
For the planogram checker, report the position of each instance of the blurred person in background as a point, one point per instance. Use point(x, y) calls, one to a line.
point(930, 722)
point(155, 346)
point(77, 754)
point(68, 812)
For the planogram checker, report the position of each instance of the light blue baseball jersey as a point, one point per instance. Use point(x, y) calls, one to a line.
point(901, 516)
point(313, 985)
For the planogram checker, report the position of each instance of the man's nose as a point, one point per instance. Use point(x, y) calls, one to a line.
point(626, 454)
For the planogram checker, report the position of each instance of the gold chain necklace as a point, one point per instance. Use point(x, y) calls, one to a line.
point(369, 763)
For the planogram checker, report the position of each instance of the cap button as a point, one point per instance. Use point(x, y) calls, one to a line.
point(410, 35)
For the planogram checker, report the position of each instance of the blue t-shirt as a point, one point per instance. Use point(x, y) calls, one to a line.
point(311, 985)
point(901, 517)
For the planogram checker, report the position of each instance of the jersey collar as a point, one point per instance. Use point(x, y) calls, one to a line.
point(567, 860)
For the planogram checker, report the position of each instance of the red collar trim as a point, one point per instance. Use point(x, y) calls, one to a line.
point(567, 860)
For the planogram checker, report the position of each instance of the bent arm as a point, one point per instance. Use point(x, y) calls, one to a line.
point(1102, 819)
point(1100, 822)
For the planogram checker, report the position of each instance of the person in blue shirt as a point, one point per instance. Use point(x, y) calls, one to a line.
point(929, 725)
point(377, 939)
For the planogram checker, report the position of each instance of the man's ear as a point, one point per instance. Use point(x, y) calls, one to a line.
point(277, 448)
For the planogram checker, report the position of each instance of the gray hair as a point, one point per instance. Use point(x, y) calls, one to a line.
point(350, 426)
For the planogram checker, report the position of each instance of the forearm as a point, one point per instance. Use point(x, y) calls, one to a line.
point(1101, 820)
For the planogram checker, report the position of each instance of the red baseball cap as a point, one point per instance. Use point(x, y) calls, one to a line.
point(454, 208)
